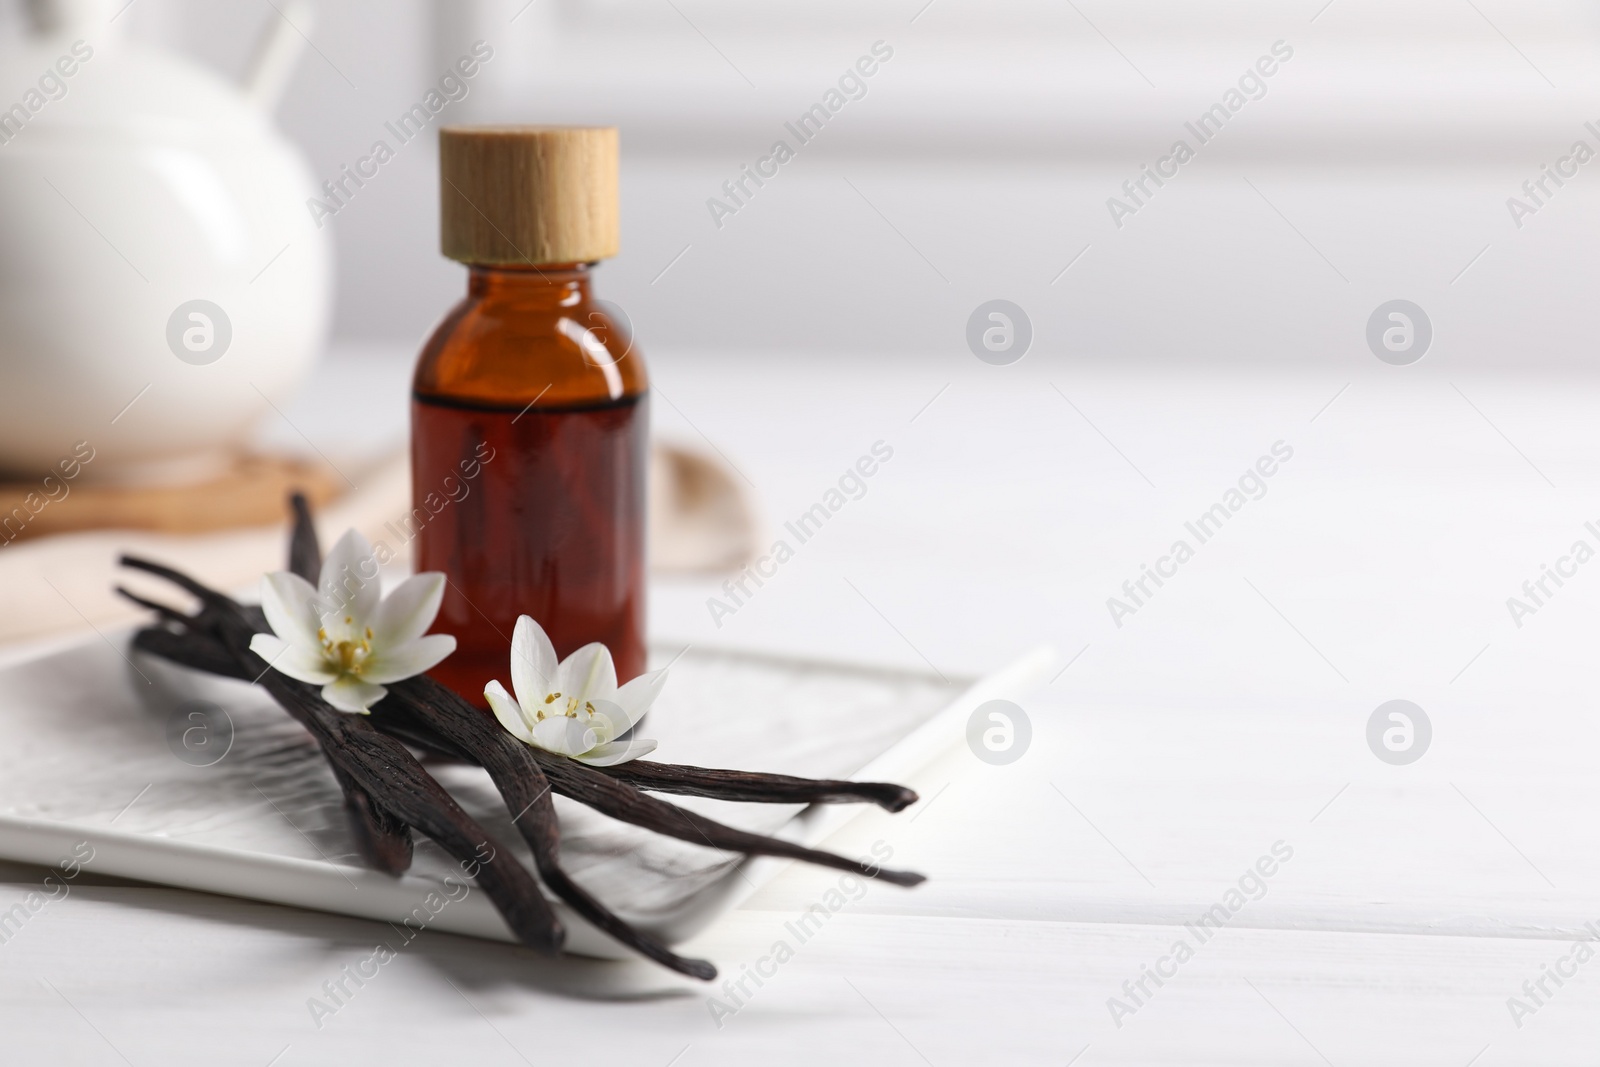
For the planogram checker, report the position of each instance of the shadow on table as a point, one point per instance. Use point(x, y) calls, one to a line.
point(470, 963)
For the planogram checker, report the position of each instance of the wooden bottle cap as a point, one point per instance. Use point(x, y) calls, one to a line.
point(520, 195)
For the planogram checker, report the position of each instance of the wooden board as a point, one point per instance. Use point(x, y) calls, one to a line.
point(250, 492)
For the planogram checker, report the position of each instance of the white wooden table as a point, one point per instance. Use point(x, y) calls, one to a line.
point(1228, 714)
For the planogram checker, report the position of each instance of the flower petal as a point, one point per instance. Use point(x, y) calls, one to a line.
point(508, 711)
point(635, 698)
point(406, 613)
point(290, 605)
point(617, 752)
point(399, 662)
point(349, 693)
point(533, 663)
point(606, 719)
point(295, 660)
point(588, 674)
point(350, 587)
point(568, 737)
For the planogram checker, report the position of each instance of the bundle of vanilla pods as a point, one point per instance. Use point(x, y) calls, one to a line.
point(388, 793)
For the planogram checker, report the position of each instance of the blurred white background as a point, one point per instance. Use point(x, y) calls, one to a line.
point(978, 165)
point(831, 309)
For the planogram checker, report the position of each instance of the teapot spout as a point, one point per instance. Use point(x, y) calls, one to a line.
point(277, 52)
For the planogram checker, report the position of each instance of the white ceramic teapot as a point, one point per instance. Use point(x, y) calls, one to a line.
point(161, 282)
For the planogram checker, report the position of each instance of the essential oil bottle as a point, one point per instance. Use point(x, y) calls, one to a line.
point(529, 409)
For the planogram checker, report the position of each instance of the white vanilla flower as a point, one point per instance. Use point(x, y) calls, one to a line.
point(344, 634)
point(572, 707)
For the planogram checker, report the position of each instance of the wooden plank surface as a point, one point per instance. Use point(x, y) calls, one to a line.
point(1228, 714)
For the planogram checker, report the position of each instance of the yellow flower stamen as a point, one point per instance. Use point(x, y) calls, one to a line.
point(349, 655)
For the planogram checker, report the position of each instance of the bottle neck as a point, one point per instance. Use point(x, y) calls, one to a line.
point(553, 286)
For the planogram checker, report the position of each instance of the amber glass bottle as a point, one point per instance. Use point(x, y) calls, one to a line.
point(530, 411)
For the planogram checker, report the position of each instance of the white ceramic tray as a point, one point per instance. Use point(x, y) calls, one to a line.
point(94, 751)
